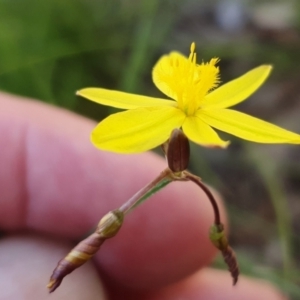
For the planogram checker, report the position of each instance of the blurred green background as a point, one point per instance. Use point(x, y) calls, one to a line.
point(50, 49)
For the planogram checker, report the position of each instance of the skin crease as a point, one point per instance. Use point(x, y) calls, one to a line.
point(55, 186)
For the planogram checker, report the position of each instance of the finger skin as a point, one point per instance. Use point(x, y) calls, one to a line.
point(212, 284)
point(25, 262)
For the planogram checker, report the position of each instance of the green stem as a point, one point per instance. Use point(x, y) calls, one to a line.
point(158, 183)
point(154, 190)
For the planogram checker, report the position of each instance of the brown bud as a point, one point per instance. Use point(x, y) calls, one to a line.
point(218, 238)
point(77, 257)
point(108, 226)
point(178, 152)
point(231, 261)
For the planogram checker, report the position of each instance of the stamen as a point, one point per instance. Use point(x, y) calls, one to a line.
point(214, 61)
point(193, 47)
point(192, 56)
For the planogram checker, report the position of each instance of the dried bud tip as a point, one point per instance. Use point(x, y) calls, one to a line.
point(231, 261)
point(178, 151)
point(79, 255)
point(108, 226)
point(53, 285)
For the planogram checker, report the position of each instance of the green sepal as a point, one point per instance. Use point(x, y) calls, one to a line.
point(218, 237)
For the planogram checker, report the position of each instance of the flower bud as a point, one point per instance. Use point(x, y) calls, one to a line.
point(108, 227)
point(218, 238)
point(178, 152)
point(110, 224)
point(231, 261)
point(79, 255)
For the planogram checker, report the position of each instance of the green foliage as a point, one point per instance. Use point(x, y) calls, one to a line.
point(50, 49)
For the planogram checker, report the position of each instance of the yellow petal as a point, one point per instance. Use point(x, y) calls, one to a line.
point(137, 130)
point(165, 73)
point(121, 99)
point(238, 89)
point(247, 127)
point(201, 133)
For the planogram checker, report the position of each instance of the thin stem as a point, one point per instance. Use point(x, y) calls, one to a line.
point(151, 192)
point(208, 193)
point(270, 174)
point(125, 208)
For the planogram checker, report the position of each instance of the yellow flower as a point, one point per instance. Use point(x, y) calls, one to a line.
point(198, 107)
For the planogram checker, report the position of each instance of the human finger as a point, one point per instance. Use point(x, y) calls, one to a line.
point(54, 181)
point(211, 284)
point(25, 261)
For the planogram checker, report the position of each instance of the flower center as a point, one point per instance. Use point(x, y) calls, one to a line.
point(193, 82)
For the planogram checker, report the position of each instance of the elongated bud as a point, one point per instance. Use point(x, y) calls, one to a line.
point(76, 258)
point(218, 238)
point(178, 151)
point(231, 261)
point(108, 226)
